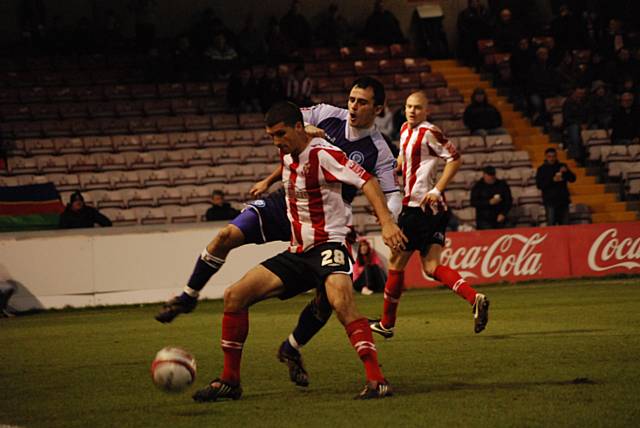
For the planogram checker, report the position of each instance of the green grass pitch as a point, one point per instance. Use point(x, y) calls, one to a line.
point(563, 353)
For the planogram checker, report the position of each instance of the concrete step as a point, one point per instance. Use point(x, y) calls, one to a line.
point(580, 188)
point(598, 201)
point(610, 217)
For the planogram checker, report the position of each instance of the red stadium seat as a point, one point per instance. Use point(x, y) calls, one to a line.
point(407, 81)
point(183, 140)
point(88, 93)
point(224, 121)
point(212, 105)
point(198, 89)
point(170, 123)
point(212, 139)
point(389, 66)
point(366, 67)
point(54, 128)
point(157, 107)
point(73, 110)
point(119, 126)
point(341, 68)
point(130, 108)
point(122, 143)
point(117, 92)
point(376, 51)
point(316, 69)
point(35, 94)
point(329, 84)
point(98, 109)
point(182, 106)
point(13, 112)
point(326, 54)
point(156, 141)
point(144, 90)
point(66, 145)
point(398, 50)
point(432, 80)
point(219, 88)
point(414, 65)
point(171, 90)
point(251, 120)
point(142, 125)
point(60, 93)
point(113, 162)
point(197, 122)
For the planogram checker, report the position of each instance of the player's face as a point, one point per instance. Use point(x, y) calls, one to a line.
point(362, 111)
point(415, 109)
point(287, 138)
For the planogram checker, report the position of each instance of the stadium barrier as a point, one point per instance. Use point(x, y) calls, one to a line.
point(130, 265)
point(526, 254)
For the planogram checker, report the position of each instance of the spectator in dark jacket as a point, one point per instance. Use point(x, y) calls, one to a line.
point(382, 26)
point(242, 92)
point(78, 215)
point(481, 117)
point(542, 83)
point(270, 88)
point(296, 27)
point(602, 104)
point(575, 118)
point(507, 32)
point(473, 25)
point(625, 124)
point(492, 200)
point(220, 210)
point(551, 178)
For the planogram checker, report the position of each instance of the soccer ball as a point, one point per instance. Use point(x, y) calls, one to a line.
point(173, 369)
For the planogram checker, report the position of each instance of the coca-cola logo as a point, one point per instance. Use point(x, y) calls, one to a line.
point(500, 259)
point(609, 252)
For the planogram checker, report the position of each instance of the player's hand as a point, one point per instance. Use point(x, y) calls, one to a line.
point(432, 199)
point(563, 169)
point(393, 236)
point(501, 218)
point(259, 188)
point(314, 132)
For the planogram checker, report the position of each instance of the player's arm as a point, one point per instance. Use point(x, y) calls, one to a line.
point(444, 150)
point(316, 114)
point(263, 185)
point(346, 171)
point(385, 171)
point(391, 233)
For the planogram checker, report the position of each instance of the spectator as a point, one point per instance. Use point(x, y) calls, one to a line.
point(220, 210)
point(492, 200)
point(270, 88)
point(566, 29)
point(575, 118)
point(600, 69)
point(278, 44)
point(613, 38)
point(144, 12)
point(473, 25)
point(251, 44)
point(601, 106)
point(521, 61)
point(78, 215)
point(242, 92)
point(551, 178)
point(542, 83)
point(332, 29)
point(567, 79)
point(481, 117)
point(625, 124)
point(507, 32)
point(368, 272)
point(382, 26)
point(299, 87)
point(221, 55)
point(295, 26)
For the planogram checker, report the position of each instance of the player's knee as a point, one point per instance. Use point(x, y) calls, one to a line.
point(321, 308)
point(430, 267)
point(233, 300)
point(225, 240)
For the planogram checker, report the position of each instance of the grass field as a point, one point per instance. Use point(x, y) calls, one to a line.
point(554, 354)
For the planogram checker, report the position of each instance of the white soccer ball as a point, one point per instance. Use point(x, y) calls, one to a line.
point(173, 369)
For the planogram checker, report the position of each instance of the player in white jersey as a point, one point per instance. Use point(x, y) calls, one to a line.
point(425, 215)
point(313, 173)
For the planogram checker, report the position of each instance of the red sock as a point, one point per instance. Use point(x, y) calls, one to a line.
point(454, 281)
point(235, 327)
point(392, 293)
point(362, 340)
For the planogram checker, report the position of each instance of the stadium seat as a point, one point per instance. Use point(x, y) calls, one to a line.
point(238, 191)
point(198, 89)
point(495, 159)
point(184, 106)
point(108, 199)
point(170, 124)
point(121, 217)
point(90, 180)
point(38, 112)
point(132, 108)
point(26, 129)
point(178, 214)
point(57, 128)
point(260, 154)
point(111, 126)
point(251, 120)
point(466, 215)
point(53, 164)
point(224, 121)
point(97, 144)
point(219, 88)
point(341, 68)
point(518, 158)
point(166, 195)
point(82, 163)
point(212, 139)
point(329, 84)
point(432, 80)
point(41, 146)
point(409, 80)
point(112, 162)
point(171, 90)
point(195, 194)
point(151, 215)
point(142, 125)
point(8, 181)
point(193, 157)
point(241, 173)
point(88, 93)
point(144, 90)
point(169, 159)
point(614, 153)
point(124, 179)
point(366, 67)
point(472, 144)
point(98, 109)
point(140, 160)
point(391, 66)
point(156, 107)
point(417, 65)
point(499, 142)
point(34, 94)
point(316, 69)
point(117, 92)
point(182, 140)
point(213, 175)
point(376, 51)
point(123, 143)
point(227, 155)
point(530, 195)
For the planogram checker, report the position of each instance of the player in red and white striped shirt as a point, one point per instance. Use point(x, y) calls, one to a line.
point(313, 172)
point(425, 214)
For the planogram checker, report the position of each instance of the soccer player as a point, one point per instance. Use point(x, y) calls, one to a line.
point(425, 215)
point(265, 220)
point(313, 172)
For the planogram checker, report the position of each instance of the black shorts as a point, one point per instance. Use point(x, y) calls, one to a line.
point(423, 229)
point(302, 272)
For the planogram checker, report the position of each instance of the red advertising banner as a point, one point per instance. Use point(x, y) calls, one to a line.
point(525, 254)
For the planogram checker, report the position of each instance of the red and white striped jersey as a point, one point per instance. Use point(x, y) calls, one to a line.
point(420, 149)
point(313, 185)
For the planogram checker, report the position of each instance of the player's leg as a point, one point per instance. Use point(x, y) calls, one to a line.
point(339, 291)
point(243, 229)
point(257, 284)
point(452, 279)
point(311, 320)
point(392, 292)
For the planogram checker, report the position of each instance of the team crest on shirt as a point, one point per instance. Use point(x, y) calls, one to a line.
point(260, 203)
point(357, 157)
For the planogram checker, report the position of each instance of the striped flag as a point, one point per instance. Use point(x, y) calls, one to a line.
point(32, 207)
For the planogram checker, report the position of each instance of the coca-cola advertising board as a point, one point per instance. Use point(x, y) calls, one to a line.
point(525, 254)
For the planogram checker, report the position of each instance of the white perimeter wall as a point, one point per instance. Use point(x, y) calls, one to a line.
point(114, 266)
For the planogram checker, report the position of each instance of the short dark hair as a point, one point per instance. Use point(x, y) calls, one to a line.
point(284, 111)
point(489, 170)
point(550, 150)
point(217, 193)
point(365, 82)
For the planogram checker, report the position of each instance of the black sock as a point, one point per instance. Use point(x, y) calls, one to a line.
point(312, 318)
point(206, 266)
